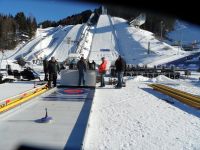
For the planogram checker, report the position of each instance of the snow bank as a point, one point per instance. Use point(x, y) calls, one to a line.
point(141, 78)
point(159, 79)
point(163, 78)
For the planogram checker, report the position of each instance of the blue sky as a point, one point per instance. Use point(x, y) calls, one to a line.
point(45, 9)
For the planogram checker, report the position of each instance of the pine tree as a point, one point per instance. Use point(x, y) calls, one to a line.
point(32, 26)
point(7, 32)
point(21, 22)
point(12, 29)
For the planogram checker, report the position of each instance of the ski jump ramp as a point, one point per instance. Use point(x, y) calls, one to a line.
point(104, 41)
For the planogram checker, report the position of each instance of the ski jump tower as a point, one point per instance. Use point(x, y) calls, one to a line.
point(104, 10)
point(139, 20)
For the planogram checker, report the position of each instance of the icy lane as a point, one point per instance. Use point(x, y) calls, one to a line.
point(69, 109)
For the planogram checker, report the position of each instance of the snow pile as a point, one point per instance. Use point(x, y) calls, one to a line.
point(163, 79)
point(159, 79)
point(140, 79)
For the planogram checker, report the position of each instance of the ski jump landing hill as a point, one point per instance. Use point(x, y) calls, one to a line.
point(104, 41)
point(68, 106)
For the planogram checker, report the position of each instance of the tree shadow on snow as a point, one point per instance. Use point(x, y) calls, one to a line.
point(174, 102)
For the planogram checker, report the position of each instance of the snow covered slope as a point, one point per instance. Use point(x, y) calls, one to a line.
point(50, 44)
point(185, 32)
point(65, 48)
point(104, 43)
point(133, 43)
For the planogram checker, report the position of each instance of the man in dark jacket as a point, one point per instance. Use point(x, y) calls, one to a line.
point(93, 65)
point(81, 66)
point(120, 65)
point(53, 68)
point(45, 68)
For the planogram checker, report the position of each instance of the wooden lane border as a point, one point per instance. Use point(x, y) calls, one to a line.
point(177, 94)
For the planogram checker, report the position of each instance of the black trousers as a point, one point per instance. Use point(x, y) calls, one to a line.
point(45, 76)
point(52, 77)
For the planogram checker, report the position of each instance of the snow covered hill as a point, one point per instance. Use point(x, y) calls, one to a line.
point(109, 38)
point(185, 32)
point(134, 117)
point(104, 43)
point(134, 42)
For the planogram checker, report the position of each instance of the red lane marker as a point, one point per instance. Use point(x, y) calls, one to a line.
point(74, 91)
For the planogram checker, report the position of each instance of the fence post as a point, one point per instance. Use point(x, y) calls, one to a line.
point(148, 47)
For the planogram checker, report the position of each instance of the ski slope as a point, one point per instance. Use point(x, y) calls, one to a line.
point(133, 43)
point(63, 50)
point(104, 43)
point(49, 44)
point(83, 48)
point(30, 45)
point(185, 32)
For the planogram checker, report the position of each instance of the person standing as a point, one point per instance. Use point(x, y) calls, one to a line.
point(54, 69)
point(102, 71)
point(93, 65)
point(72, 64)
point(45, 68)
point(81, 66)
point(120, 65)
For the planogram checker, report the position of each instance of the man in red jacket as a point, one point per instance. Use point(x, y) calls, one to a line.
point(102, 71)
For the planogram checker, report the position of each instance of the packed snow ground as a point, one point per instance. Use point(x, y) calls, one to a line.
point(137, 117)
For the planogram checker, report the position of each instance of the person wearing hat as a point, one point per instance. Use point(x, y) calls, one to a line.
point(53, 69)
point(102, 71)
point(81, 66)
point(45, 68)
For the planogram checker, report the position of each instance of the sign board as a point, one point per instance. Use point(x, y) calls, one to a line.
point(106, 50)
